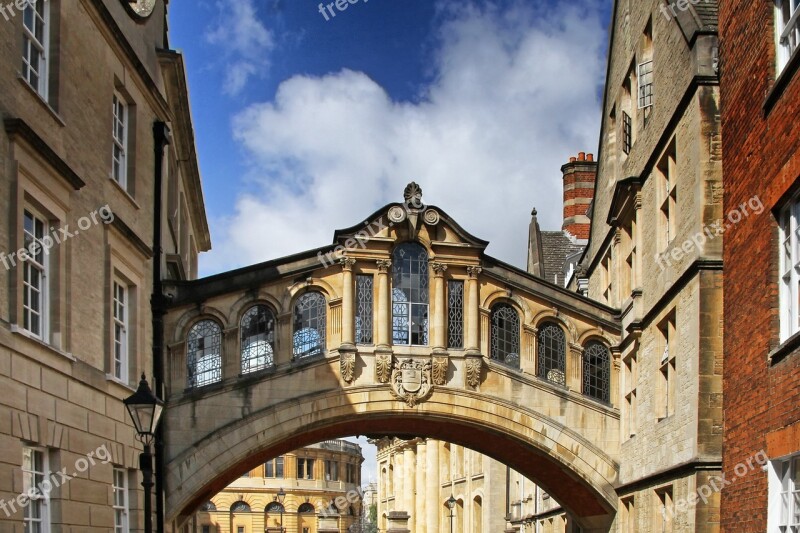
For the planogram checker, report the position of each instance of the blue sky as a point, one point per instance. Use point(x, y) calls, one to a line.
point(304, 125)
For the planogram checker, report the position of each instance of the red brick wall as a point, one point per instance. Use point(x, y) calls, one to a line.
point(760, 157)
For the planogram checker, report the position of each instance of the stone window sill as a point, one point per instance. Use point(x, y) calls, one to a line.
point(784, 349)
point(17, 330)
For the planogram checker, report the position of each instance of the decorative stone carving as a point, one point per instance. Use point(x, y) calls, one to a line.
point(383, 265)
point(411, 381)
point(383, 367)
point(396, 214)
point(431, 217)
point(474, 366)
point(347, 263)
point(438, 269)
point(474, 271)
point(439, 370)
point(413, 196)
point(347, 366)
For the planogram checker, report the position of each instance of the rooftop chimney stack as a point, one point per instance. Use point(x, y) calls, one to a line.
point(579, 177)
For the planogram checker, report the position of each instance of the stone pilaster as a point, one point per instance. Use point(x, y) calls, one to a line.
point(473, 319)
point(422, 495)
point(410, 486)
point(432, 488)
point(348, 303)
point(439, 308)
point(384, 303)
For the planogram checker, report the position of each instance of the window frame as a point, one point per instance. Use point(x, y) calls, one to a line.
point(307, 470)
point(364, 309)
point(320, 317)
point(455, 314)
point(120, 327)
point(29, 40)
point(541, 369)
point(789, 267)
point(627, 133)
point(644, 93)
point(246, 363)
point(192, 361)
point(43, 497)
point(787, 32)
point(784, 484)
point(667, 367)
point(43, 268)
point(120, 143)
point(510, 337)
point(124, 507)
point(403, 331)
point(588, 387)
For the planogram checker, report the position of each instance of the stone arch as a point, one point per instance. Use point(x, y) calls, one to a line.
point(311, 284)
point(191, 317)
point(526, 315)
point(554, 316)
point(595, 334)
point(579, 474)
point(248, 300)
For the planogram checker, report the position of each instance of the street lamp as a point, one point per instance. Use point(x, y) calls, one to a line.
point(281, 497)
point(451, 503)
point(145, 410)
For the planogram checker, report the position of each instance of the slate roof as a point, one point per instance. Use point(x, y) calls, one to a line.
point(556, 246)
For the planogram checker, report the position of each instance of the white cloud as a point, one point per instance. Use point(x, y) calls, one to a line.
point(515, 94)
point(244, 41)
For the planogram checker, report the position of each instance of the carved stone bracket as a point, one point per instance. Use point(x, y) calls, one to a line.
point(439, 369)
point(383, 367)
point(347, 366)
point(474, 369)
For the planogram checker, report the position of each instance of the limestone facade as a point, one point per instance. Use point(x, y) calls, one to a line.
point(75, 322)
point(327, 498)
point(655, 254)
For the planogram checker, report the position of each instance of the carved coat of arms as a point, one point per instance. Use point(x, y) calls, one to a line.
point(411, 381)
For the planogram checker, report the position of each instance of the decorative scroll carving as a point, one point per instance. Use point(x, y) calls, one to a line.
point(411, 381)
point(347, 364)
point(431, 217)
point(347, 263)
point(439, 370)
point(474, 367)
point(383, 367)
point(384, 265)
point(396, 214)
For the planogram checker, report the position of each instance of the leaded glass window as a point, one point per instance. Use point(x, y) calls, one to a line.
point(596, 371)
point(305, 508)
point(552, 354)
point(204, 355)
point(240, 507)
point(208, 507)
point(410, 295)
point(274, 507)
point(505, 335)
point(257, 332)
point(364, 303)
point(455, 314)
point(310, 313)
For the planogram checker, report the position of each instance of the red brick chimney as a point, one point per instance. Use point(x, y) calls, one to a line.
point(579, 176)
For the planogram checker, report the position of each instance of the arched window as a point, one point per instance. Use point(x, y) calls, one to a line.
point(274, 507)
point(204, 358)
point(477, 515)
point(240, 507)
point(305, 508)
point(552, 353)
point(596, 371)
point(208, 507)
point(309, 325)
point(257, 332)
point(505, 335)
point(410, 295)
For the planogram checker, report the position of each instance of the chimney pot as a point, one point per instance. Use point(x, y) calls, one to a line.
point(590, 157)
point(571, 159)
point(581, 156)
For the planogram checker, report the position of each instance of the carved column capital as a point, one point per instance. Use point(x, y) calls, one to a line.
point(347, 263)
point(383, 265)
point(474, 271)
point(438, 269)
